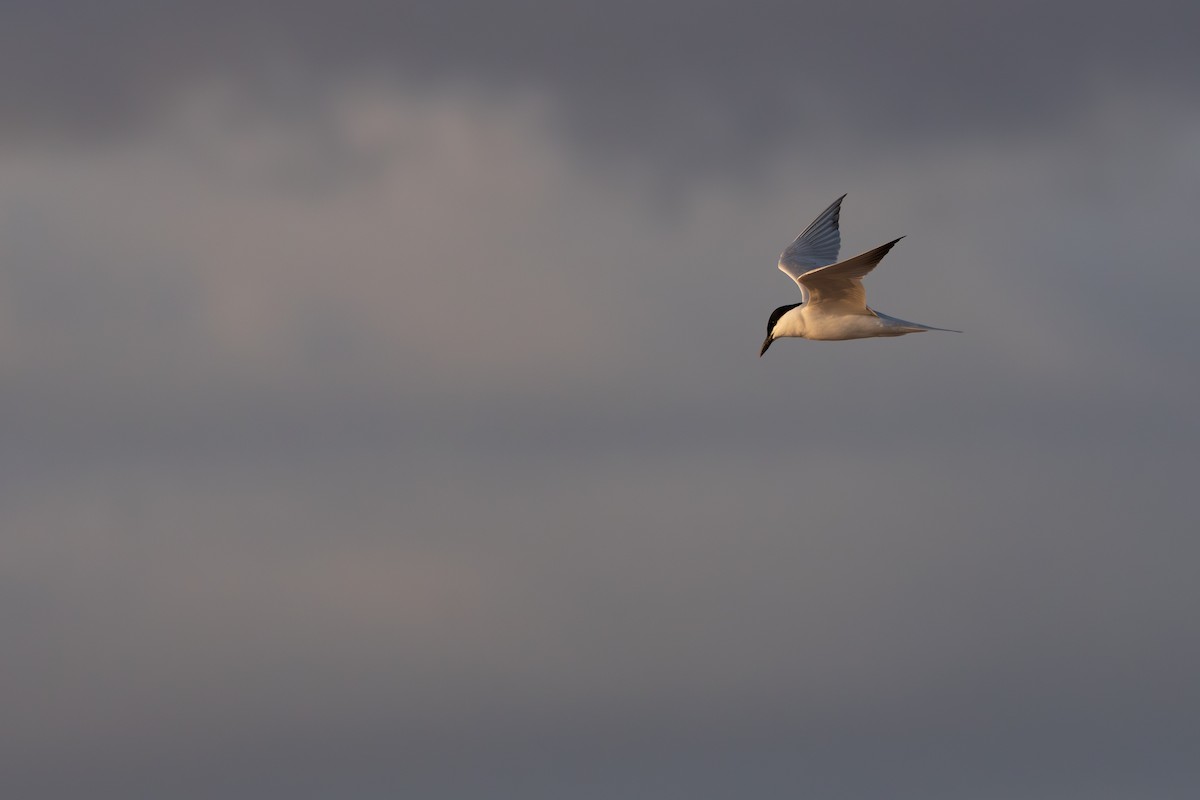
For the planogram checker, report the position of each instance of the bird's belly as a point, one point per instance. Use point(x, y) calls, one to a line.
point(850, 326)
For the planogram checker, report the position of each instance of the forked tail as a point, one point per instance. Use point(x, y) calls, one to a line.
point(916, 326)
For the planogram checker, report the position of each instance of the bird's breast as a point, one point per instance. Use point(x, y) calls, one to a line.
point(836, 327)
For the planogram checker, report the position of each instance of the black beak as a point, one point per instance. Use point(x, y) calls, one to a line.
point(766, 344)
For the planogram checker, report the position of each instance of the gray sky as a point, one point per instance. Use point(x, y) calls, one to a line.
point(382, 413)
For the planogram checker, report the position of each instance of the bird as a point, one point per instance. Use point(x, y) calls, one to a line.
point(833, 303)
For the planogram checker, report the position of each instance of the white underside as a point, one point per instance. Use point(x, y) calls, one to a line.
point(809, 322)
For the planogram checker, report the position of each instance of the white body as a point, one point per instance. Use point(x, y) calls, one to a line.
point(809, 322)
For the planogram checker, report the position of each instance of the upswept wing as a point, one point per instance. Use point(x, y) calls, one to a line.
point(817, 246)
point(838, 287)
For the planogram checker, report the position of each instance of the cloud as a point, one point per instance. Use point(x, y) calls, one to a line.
point(690, 87)
point(509, 608)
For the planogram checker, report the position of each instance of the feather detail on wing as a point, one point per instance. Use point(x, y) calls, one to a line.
point(839, 286)
point(817, 246)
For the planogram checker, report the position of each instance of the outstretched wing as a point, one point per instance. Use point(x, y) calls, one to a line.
point(816, 247)
point(838, 287)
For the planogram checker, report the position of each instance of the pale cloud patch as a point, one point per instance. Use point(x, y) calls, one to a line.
point(405, 239)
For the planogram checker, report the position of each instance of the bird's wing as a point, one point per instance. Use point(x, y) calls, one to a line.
point(838, 287)
point(816, 247)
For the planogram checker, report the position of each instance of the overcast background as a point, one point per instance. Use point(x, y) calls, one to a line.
point(382, 418)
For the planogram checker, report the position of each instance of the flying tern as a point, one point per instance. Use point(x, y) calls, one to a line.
point(833, 302)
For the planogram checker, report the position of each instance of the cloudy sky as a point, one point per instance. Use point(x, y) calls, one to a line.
point(382, 414)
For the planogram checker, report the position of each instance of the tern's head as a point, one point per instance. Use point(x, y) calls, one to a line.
point(771, 323)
